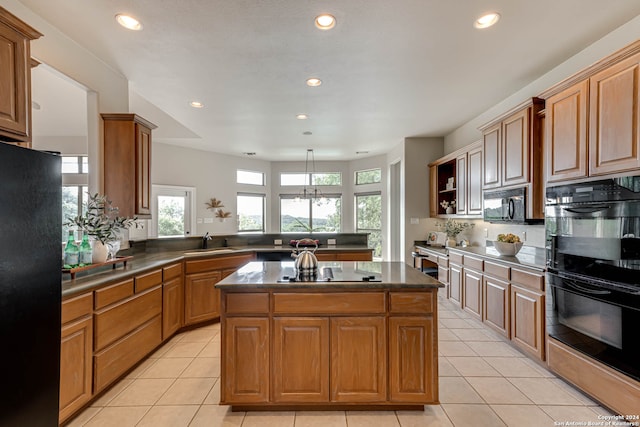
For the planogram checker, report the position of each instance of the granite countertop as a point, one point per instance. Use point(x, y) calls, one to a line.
point(143, 262)
point(269, 275)
point(529, 256)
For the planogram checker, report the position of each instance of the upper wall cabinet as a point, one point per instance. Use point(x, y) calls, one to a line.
point(512, 147)
point(457, 177)
point(15, 79)
point(127, 163)
point(593, 120)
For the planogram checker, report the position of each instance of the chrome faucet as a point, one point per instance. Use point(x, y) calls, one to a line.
point(205, 240)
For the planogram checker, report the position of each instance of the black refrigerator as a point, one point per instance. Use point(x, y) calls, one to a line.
point(30, 286)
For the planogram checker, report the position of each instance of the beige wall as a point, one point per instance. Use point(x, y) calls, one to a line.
point(617, 39)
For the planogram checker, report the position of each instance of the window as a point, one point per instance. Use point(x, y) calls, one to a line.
point(251, 212)
point(301, 179)
point(172, 211)
point(370, 176)
point(248, 177)
point(310, 215)
point(75, 180)
point(369, 219)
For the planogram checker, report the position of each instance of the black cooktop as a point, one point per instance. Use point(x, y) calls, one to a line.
point(329, 274)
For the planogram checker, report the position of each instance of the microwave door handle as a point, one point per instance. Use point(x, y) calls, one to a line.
point(512, 208)
point(587, 210)
point(577, 287)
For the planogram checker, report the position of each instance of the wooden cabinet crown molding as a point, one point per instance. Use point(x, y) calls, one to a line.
point(15, 23)
point(536, 102)
point(128, 117)
point(606, 62)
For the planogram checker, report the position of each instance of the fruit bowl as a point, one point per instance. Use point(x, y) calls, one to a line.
point(508, 249)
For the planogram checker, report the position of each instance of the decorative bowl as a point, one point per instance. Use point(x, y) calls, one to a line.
point(508, 249)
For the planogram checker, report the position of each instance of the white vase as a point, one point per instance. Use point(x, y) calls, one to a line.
point(449, 210)
point(451, 242)
point(99, 253)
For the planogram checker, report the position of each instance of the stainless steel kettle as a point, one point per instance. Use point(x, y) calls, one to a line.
point(306, 263)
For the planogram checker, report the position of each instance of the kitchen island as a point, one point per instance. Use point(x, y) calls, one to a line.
point(362, 336)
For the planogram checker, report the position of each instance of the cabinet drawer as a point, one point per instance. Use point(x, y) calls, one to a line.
point(455, 258)
point(411, 302)
point(255, 302)
point(528, 279)
point(113, 293)
point(147, 281)
point(496, 270)
point(171, 271)
point(443, 261)
point(218, 263)
point(115, 322)
point(472, 262)
point(115, 360)
point(77, 307)
point(329, 303)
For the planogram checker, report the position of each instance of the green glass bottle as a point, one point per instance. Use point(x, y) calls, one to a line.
point(71, 252)
point(85, 253)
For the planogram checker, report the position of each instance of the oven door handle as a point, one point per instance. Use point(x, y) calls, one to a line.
point(575, 286)
point(588, 210)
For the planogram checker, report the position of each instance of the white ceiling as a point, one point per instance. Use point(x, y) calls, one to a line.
point(390, 68)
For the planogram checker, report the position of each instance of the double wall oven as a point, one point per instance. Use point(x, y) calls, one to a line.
point(593, 270)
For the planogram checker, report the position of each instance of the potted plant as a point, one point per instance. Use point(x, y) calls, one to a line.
point(102, 223)
point(453, 228)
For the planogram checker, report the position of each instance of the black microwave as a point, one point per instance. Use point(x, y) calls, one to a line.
point(507, 206)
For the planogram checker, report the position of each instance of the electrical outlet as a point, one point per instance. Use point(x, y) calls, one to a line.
point(415, 221)
point(331, 241)
point(208, 220)
point(199, 221)
point(486, 232)
point(277, 242)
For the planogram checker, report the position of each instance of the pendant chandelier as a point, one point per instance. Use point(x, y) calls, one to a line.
point(310, 190)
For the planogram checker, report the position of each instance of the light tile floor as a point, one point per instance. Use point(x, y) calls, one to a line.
point(483, 382)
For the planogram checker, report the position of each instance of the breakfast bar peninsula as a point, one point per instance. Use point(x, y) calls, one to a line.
point(358, 335)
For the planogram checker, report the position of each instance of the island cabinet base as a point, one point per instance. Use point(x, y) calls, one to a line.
point(324, 348)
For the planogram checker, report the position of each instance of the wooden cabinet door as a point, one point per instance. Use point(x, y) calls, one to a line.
point(76, 351)
point(15, 81)
point(172, 307)
point(474, 181)
point(492, 157)
point(143, 170)
point(433, 191)
point(566, 133)
point(201, 298)
point(455, 283)
point(515, 148)
point(358, 359)
point(496, 311)
point(472, 292)
point(461, 184)
point(245, 377)
point(412, 360)
point(527, 320)
point(300, 359)
point(614, 137)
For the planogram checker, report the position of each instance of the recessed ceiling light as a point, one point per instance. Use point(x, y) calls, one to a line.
point(314, 81)
point(487, 20)
point(128, 22)
point(196, 104)
point(362, 152)
point(325, 21)
point(302, 116)
point(307, 133)
point(249, 153)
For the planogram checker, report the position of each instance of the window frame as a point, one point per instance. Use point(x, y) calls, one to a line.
point(264, 211)
point(310, 201)
point(355, 179)
point(262, 174)
point(356, 212)
point(190, 209)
